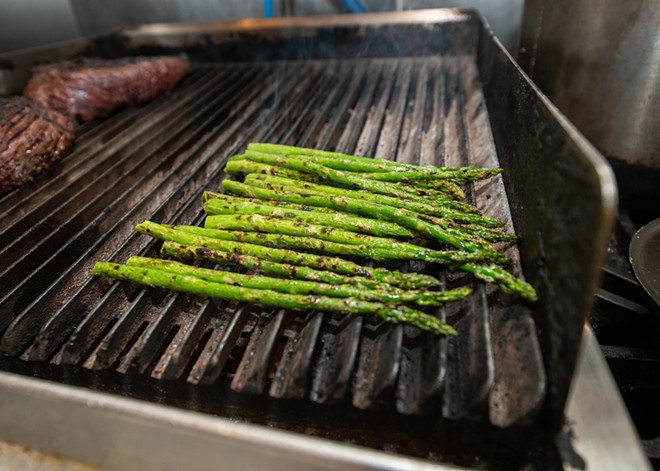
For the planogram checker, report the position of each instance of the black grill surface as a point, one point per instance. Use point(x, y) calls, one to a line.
point(310, 371)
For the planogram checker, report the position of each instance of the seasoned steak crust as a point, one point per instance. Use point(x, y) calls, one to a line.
point(32, 139)
point(93, 88)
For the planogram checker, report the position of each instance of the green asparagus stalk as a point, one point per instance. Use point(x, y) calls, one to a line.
point(455, 175)
point(459, 211)
point(422, 298)
point(448, 191)
point(379, 211)
point(249, 221)
point(238, 165)
point(228, 204)
point(337, 265)
point(367, 164)
point(277, 225)
point(192, 252)
point(473, 232)
point(400, 251)
point(371, 164)
point(336, 219)
point(405, 192)
point(306, 165)
point(211, 195)
point(444, 186)
point(194, 285)
point(441, 208)
point(502, 278)
point(220, 203)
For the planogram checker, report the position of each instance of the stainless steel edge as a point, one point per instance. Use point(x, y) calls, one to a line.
point(429, 16)
point(603, 433)
point(117, 433)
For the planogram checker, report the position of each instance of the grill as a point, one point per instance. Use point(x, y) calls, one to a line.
point(431, 101)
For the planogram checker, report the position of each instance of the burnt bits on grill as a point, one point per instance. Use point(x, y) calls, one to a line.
point(32, 139)
point(93, 88)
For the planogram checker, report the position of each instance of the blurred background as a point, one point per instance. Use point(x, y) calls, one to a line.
point(27, 23)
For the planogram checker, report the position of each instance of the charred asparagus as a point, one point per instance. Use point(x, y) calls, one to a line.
point(337, 265)
point(198, 286)
point(420, 297)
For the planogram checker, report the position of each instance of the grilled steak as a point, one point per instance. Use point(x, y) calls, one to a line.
point(93, 88)
point(32, 139)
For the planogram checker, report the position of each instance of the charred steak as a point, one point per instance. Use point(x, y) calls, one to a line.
point(32, 139)
point(93, 88)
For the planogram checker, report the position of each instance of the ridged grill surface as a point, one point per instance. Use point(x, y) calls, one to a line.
point(153, 162)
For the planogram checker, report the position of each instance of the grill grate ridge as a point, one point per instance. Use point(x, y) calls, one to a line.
point(419, 111)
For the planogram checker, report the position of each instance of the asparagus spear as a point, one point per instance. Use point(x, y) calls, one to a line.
point(194, 285)
point(441, 208)
point(400, 216)
point(457, 210)
point(277, 225)
point(306, 165)
point(337, 265)
point(447, 191)
point(227, 204)
point(455, 175)
point(422, 298)
point(334, 219)
point(367, 164)
point(238, 165)
point(489, 273)
point(192, 252)
point(472, 231)
point(321, 233)
point(370, 163)
point(399, 252)
point(211, 195)
point(445, 186)
point(502, 278)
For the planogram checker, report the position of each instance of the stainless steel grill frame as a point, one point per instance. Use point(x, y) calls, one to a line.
point(147, 332)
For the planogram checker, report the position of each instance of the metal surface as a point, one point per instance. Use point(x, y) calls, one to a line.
point(17, 457)
point(564, 243)
point(235, 352)
point(603, 436)
point(536, 144)
point(599, 62)
point(601, 70)
point(645, 257)
point(116, 433)
point(426, 88)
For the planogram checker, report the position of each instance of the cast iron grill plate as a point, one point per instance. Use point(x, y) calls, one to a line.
point(153, 162)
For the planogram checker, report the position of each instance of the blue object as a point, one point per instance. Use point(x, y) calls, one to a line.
point(354, 6)
point(268, 8)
